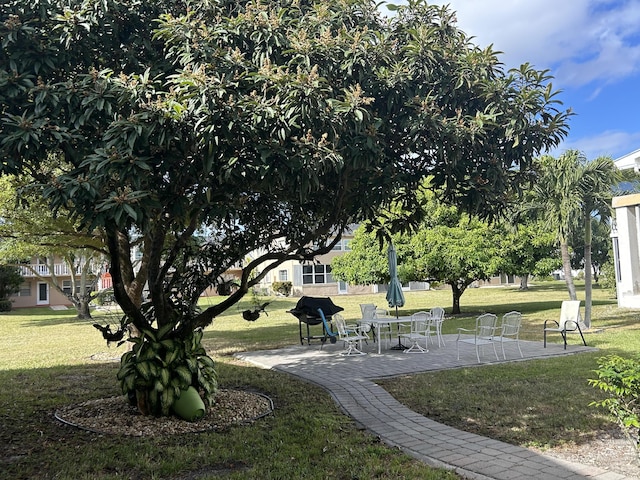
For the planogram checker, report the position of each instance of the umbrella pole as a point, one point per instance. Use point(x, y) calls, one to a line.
point(400, 346)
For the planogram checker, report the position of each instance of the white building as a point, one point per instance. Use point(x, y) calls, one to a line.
point(625, 235)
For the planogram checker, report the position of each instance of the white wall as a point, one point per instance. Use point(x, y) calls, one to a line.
point(626, 240)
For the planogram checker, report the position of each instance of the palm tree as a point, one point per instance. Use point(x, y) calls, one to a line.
point(571, 190)
point(596, 185)
point(556, 198)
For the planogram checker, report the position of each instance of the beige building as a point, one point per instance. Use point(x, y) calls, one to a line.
point(37, 290)
point(315, 279)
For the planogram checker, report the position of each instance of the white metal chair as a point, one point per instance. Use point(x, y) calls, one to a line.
point(483, 334)
point(384, 329)
point(350, 335)
point(368, 311)
point(367, 307)
point(569, 322)
point(510, 331)
point(437, 317)
point(420, 332)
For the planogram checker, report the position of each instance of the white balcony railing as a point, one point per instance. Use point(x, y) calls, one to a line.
point(59, 269)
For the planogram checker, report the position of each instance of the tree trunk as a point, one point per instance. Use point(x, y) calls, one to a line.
point(457, 293)
point(524, 282)
point(587, 271)
point(82, 307)
point(566, 268)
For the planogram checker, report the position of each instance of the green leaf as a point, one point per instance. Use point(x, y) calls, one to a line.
point(144, 369)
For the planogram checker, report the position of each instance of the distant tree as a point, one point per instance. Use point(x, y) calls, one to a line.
point(457, 255)
point(528, 249)
point(10, 281)
point(29, 229)
point(366, 262)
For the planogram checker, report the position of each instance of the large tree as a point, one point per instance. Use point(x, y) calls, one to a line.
point(206, 130)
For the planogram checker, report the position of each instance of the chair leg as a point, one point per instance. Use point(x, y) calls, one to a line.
point(416, 347)
point(352, 348)
point(504, 355)
point(582, 336)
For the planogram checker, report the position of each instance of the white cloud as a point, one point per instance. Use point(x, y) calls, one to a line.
point(591, 47)
point(607, 143)
point(579, 40)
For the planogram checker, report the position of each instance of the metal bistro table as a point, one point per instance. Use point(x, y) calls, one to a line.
point(377, 322)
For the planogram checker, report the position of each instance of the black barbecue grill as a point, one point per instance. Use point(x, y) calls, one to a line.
point(306, 312)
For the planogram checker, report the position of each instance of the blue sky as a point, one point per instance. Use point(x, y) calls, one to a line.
point(591, 47)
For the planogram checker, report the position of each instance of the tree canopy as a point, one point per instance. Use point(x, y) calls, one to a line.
point(528, 248)
point(203, 131)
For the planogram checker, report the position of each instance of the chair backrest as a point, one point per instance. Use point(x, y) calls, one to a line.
point(511, 324)
point(368, 311)
point(341, 325)
point(419, 322)
point(486, 325)
point(381, 313)
point(569, 315)
point(437, 314)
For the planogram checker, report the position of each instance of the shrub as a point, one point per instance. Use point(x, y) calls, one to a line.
point(282, 287)
point(104, 297)
point(157, 368)
point(5, 305)
point(10, 280)
point(608, 277)
point(620, 379)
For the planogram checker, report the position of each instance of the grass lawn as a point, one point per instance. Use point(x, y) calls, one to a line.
point(49, 359)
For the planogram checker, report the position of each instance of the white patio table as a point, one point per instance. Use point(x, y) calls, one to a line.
point(377, 322)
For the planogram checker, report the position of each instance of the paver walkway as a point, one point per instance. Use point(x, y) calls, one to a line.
point(470, 455)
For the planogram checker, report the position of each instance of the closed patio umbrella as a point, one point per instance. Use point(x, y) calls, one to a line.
point(395, 297)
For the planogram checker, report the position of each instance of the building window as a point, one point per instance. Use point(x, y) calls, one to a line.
point(25, 290)
point(283, 275)
point(316, 274)
point(66, 287)
point(342, 245)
